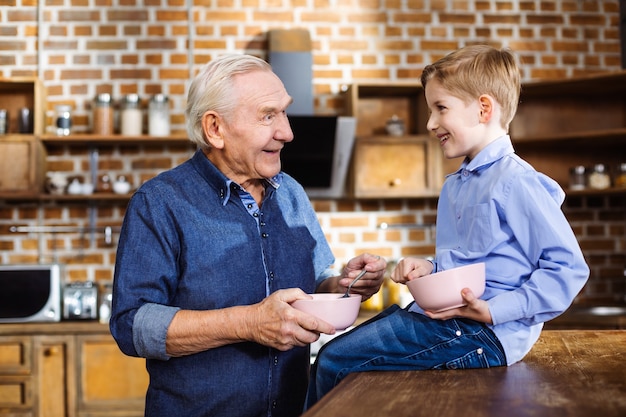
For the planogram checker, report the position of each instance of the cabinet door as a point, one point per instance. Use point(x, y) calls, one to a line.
point(52, 354)
point(22, 166)
point(396, 167)
point(109, 382)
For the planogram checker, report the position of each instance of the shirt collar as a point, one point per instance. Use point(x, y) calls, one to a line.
point(491, 153)
point(221, 183)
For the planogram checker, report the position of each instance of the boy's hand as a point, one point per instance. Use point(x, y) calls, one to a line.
point(476, 309)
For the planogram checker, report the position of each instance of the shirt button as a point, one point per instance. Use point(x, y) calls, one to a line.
point(262, 223)
point(249, 206)
point(264, 235)
point(275, 360)
point(274, 404)
point(479, 351)
point(458, 333)
point(465, 173)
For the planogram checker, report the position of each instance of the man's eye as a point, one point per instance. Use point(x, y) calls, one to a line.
point(268, 117)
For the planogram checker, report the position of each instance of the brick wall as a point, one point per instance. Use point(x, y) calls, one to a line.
point(81, 48)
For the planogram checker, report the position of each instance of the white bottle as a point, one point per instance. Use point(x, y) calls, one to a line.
point(159, 116)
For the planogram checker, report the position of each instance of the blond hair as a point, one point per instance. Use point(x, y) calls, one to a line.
point(475, 70)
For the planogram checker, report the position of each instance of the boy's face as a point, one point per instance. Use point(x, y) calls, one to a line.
point(456, 123)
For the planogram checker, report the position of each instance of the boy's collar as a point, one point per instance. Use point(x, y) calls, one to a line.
point(492, 152)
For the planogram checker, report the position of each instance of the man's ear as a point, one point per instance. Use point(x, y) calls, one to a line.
point(211, 125)
point(486, 105)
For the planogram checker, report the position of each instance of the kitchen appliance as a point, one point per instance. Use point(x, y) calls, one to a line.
point(319, 156)
point(80, 301)
point(30, 293)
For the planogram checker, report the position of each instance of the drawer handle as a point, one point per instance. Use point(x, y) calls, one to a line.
point(51, 351)
point(395, 182)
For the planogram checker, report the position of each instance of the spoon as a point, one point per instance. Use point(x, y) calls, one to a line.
point(358, 277)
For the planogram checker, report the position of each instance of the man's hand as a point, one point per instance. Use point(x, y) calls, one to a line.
point(277, 324)
point(370, 283)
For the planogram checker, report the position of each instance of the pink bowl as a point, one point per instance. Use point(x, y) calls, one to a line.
point(332, 308)
point(442, 290)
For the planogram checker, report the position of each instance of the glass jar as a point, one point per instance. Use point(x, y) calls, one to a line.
point(4, 121)
point(577, 179)
point(63, 119)
point(395, 126)
point(599, 178)
point(131, 117)
point(103, 114)
point(620, 178)
point(159, 116)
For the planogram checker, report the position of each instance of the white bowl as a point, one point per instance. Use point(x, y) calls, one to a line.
point(121, 187)
point(442, 290)
point(332, 308)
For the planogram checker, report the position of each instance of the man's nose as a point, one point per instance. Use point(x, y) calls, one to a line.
point(284, 132)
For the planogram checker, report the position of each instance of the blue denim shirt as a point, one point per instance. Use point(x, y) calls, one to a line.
point(497, 209)
point(193, 239)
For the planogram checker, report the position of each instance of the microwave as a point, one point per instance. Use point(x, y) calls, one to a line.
point(30, 293)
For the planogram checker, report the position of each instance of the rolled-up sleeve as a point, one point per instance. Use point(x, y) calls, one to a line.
point(150, 330)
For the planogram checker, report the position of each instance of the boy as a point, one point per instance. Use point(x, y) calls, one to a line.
point(495, 209)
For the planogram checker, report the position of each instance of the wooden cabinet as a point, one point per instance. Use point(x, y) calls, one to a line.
point(23, 92)
point(108, 383)
point(22, 166)
point(559, 125)
point(396, 167)
point(16, 383)
point(22, 157)
point(386, 166)
point(565, 123)
point(68, 369)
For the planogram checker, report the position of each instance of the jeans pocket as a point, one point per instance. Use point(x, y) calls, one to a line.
point(473, 359)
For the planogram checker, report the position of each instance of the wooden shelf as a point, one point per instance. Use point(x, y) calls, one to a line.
point(67, 198)
point(607, 136)
point(92, 139)
point(591, 191)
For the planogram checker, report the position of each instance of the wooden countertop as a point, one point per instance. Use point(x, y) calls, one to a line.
point(573, 373)
point(62, 327)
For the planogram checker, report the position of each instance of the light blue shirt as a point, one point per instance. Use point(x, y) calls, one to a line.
point(497, 209)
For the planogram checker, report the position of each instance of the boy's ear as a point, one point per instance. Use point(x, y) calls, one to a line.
point(211, 127)
point(486, 105)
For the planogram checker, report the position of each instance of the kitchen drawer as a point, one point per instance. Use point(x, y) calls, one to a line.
point(16, 393)
point(408, 166)
point(15, 355)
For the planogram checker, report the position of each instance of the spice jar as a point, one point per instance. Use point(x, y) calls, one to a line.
point(159, 116)
point(103, 115)
point(599, 178)
point(131, 117)
point(63, 119)
point(620, 178)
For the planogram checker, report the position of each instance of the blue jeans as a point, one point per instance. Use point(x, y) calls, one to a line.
point(397, 339)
